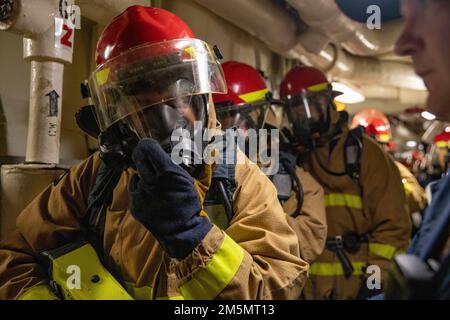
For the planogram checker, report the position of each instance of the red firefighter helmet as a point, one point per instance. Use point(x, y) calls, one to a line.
point(310, 110)
point(375, 124)
point(245, 104)
point(245, 84)
point(153, 75)
point(442, 140)
point(137, 26)
point(303, 78)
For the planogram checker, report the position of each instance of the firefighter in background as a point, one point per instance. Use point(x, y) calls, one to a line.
point(367, 217)
point(153, 77)
point(440, 152)
point(248, 105)
point(434, 165)
point(377, 126)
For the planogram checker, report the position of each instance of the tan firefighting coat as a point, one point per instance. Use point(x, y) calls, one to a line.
point(374, 204)
point(415, 194)
point(257, 257)
point(311, 224)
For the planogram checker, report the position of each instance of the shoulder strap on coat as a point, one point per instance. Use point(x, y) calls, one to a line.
point(99, 198)
point(285, 179)
point(219, 199)
point(353, 152)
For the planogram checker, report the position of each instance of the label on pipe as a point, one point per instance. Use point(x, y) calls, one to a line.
point(53, 97)
point(65, 25)
point(64, 34)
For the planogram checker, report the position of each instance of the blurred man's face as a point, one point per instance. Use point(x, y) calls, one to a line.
point(426, 38)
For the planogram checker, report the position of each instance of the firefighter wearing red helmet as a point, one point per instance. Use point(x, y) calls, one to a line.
point(436, 162)
point(135, 223)
point(365, 203)
point(248, 105)
point(247, 101)
point(442, 146)
point(377, 126)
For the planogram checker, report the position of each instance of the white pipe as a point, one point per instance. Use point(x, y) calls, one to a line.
point(433, 130)
point(341, 65)
point(44, 123)
point(30, 17)
point(326, 17)
point(36, 21)
point(103, 11)
point(405, 96)
point(261, 18)
point(276, 28)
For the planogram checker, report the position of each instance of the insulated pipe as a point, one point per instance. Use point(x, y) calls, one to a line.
point(261, 18)
point(405, 96)
point(277, 30)
point(43, 142)
point(433, 130)
point(27, 17)
point(341, 65)
point(325, 17)
point(48, 44)
point(103, 11)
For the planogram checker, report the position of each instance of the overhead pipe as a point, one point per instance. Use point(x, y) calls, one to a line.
point(341, 65)
point(405, 96)
point(263, 19)
point(37, 22)
point(102, 11)
point(277, 30)
point(324, 16)
point(435, 128)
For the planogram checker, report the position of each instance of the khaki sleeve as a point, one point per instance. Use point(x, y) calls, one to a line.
point(415, 194)
point(49, 221)
point(385, 203)
point(256, 258)
point(311, 225)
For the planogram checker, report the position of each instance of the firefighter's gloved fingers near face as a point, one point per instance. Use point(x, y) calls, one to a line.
point(165, 200)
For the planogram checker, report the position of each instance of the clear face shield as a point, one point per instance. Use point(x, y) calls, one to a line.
point(307, 117)
point(158, 88)
point(243, 117)
point(256, 130)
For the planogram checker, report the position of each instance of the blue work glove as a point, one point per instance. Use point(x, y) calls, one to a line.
point(165, 201)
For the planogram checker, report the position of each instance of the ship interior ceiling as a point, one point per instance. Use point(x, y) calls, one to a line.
point(360, 59)
point(277, 35)
point(50, 70)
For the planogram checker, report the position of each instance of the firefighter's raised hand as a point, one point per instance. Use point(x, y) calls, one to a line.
point(165, 200)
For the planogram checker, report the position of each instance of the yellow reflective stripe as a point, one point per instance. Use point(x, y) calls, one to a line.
point(384, 137)
point(171, 298)
point(42, 292)
point(442, 144)
point(191, 51)
point(87, 262)
point(146, 293)
point(102, 76)
point(319, 87)
point(407, 187)
point(343, 200)
point(382, 250)
point(335, 268)
point(340, 106)
point(254, 96)
point(209, 282)
point(139, 293)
